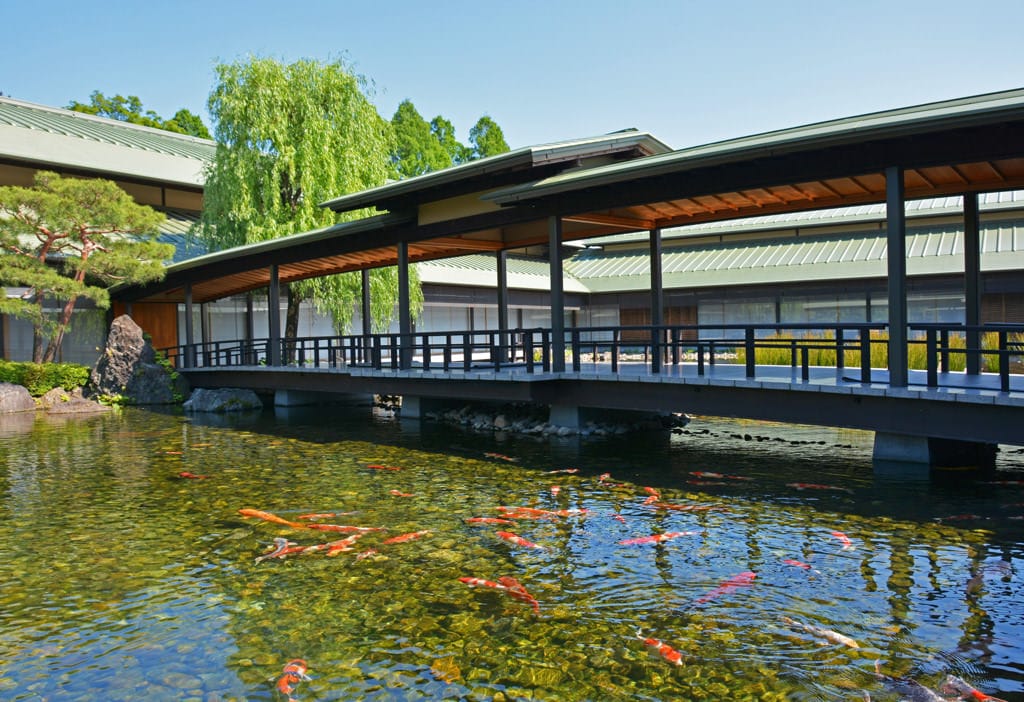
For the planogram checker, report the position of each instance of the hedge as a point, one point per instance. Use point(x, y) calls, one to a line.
point(40, 378)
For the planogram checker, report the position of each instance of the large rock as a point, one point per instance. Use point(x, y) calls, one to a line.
point(15, 398)
point(222, 400)
point(61, 401)
point(128, 368)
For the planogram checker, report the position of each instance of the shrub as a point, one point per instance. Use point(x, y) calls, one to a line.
point(40, 378)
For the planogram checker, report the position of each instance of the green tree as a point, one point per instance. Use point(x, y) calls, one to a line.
point(290, 136)
point(486, 139)
point(129, 109)
point(444, 131)
point(72, 238)
point(417, 150)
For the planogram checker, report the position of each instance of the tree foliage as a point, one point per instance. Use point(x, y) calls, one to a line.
point(290, 136)
point(129, 109)
point(71, 238)
point(422, 147)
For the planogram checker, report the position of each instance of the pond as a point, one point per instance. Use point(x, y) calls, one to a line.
point(730, 560)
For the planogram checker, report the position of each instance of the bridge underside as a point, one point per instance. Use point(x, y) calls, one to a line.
point(960, 415)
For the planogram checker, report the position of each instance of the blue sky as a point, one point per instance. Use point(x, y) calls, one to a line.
point(689, 72)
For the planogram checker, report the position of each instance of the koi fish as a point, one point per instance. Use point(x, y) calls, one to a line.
point(661, 648)
point(619, 518)
point(508, 585)
point(957, 686)
point(718, 476)
point(191, 476)
point(844, 540)
point(294, 672)
point(282, 548)
point(564, 470)
point(909, 689)
point(527, 513)
point(499, 456)
point(555, 490)
point(333, 548)
point(798, 564)
point(827, 634)
point(517, 540)
point(173, 453)
point(268, 517)
point(605, 477)
point(378, 466)
point(342, 528)
point(324, 515)
point(368, 553)
point(488, 520)
point(411, 536)
point(817, 486)
point(652, 495)
point(742, 580)
point(704, 483)
point(657, 538)
point(399, 493)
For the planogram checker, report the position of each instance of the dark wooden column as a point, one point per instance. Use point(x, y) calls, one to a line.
point(557, 296)
point(657, 299)
point(972, 278)
point(896, 240)
point(404, 313)
point(274, 316)
point(367, 321)
point(190, 336)
point(501, 266)
point(250, 330)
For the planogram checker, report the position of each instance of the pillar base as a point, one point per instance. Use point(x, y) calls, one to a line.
point(933, 452)
point(303, 398)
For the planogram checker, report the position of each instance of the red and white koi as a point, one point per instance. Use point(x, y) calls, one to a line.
point(817, 486)
point(368, 553)
point(564, 470)
point(399, 493)
point(499, 456)
point(604, 478)
point(281, 549)
point(555, 489)
point(489, 520)
point(411, 536)
point(191, 476)
point(324, 515)
point(657, 538)
point(619, 518)
point(958, 686)
point(661, 648)
point(506, 584)
point(517, 540)
point(342, 528)
point(844, 540)
point(827, 634)
point(333, 548)
point(652, 495)
point(378, 466)
point(294, 672)
point(741, 580)
point(797, 564)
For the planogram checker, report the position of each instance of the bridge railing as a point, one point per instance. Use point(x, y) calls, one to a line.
point(996, 348)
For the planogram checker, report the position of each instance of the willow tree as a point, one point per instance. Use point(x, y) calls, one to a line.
point(290, 136)
point(71, 238)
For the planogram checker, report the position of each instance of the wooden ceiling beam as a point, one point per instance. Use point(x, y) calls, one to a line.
point(611, 221)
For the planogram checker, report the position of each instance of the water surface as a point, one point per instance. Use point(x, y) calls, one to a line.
point(123, 581)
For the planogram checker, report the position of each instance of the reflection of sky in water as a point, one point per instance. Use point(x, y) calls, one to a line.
point(121, 581)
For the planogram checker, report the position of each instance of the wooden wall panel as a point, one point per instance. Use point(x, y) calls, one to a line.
point(158, 319)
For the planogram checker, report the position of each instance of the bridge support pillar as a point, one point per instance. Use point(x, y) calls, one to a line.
point(565, 416)
point(301, 398)
point(932, 452)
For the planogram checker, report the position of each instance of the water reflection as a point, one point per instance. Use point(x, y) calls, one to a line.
point(122, 580)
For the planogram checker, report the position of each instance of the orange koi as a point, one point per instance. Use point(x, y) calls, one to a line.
point(191, 476)
point(411, 536)
point(527, 513)
point(555, 490)
point(661, 648)
point(322, 515)
point(619, 518)
point(564, 470)
point(333, 548)
point(378, 466)
point(399, 493)
point(798, 564)
point(342, 528)
point(817, 486)
point(652, 495)
point(844, 540)
point(488, 520)
point(742, 580)
point(499, 456)
point(517, 540)
point(294, 672)
point(268, 517)
point(657, 538)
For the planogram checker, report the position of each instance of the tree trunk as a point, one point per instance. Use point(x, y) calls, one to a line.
point(37, 334)
point(58, 338)
point(291, 322)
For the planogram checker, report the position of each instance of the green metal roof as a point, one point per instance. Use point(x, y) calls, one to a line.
point(478, 270)
point(48, 135)
point(971, 111)
point(931, 250)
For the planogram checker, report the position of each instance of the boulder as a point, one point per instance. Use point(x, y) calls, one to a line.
point(61, 401)
point(222, 400)
point(128, 368)
point(15, 398)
